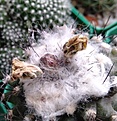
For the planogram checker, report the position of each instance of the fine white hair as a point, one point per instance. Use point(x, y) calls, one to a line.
point(59, 90)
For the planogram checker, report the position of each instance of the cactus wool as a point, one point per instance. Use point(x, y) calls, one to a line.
point(63, 69)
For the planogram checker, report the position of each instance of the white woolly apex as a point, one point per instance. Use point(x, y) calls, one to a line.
point(66, 80)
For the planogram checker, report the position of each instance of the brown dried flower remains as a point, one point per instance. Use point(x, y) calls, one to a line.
point(75, 44)
point(22, 69)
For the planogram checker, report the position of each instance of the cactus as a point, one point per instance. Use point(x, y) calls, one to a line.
point(44, 13)
point(11, 43)
point(17, 16)
point(66, 72)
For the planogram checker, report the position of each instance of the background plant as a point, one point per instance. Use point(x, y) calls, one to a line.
point(95, 6)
